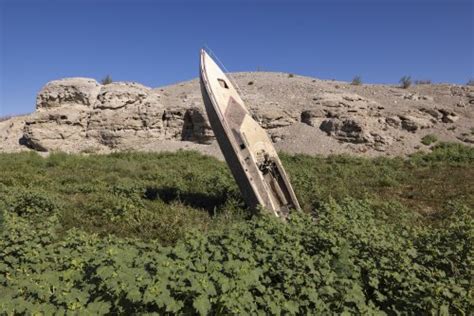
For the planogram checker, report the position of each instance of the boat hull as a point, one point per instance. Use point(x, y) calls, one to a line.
point(248, 150)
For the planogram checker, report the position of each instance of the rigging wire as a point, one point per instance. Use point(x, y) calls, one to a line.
point(221, 65)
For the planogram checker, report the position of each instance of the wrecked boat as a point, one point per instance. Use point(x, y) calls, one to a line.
point(247, 149)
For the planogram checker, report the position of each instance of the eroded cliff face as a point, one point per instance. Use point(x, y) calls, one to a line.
point(78, 114)
point(300, 114)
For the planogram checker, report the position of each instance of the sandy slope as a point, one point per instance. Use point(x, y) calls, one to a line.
point(301, 114)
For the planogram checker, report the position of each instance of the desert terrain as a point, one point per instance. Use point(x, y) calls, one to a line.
point(301, 115)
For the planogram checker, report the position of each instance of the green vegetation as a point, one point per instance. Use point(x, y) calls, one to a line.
point(429, 139)
point(356, 81)
point(136, 233)
point(405, 82)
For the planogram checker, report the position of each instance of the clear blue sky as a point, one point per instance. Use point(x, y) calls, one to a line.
point(157, 42)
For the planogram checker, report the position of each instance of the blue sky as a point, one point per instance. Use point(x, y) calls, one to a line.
point(157, 42)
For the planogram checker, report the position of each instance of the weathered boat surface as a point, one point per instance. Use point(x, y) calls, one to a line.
point(248, 150)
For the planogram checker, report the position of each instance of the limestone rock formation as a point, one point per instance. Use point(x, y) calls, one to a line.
point(314, 116)
point(300, 114)
point(69, 91)
point(78, 114)
point(414, 123)
point(274, 117)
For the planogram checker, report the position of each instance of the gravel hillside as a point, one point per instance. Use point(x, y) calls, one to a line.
point(301, 114)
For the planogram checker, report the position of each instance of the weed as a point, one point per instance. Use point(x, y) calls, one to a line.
point(106, 80)
point(356, 81)
point(405, 82)
point(429, 139)
point(137, 233)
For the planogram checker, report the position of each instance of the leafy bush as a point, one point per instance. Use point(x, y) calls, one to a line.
point(291, 75)
point(405, 82)
point(135, 233)
point(429, 139)
point(348, 260)
point(31, 203)
point(356, 81)
point(453, 153)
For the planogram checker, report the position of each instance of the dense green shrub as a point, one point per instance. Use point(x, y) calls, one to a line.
point(452, 153)
point(349, 259)
point(133, 233)
point(29, 202)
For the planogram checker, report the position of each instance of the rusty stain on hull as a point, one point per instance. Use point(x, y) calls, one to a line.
point(248, 150)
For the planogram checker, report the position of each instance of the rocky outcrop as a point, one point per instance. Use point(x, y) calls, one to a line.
point(273, 117)
point(300, 115)
point(314, 117)
point(414, 123)
point(347, 130)
point(441, 115)
point(69, 91)
point(196, 127)
point(78, 114)
point(349, 118)
point(417, 97)
point(11, 131)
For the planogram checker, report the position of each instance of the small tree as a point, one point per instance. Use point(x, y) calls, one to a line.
point(107, 80)
point(405, 82)
point(357, 81)
point(470, 82)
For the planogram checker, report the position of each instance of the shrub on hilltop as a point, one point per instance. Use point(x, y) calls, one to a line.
point(405, 82)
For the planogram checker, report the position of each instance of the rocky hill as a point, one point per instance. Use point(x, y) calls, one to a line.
point(301, 114)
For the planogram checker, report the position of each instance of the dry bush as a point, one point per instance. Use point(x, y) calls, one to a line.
point(357, 81)
point(405, 82)
point(106, 80)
